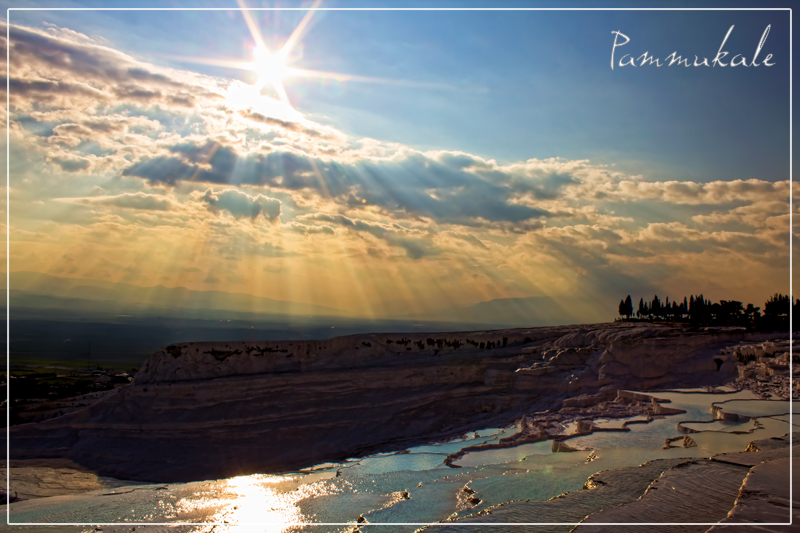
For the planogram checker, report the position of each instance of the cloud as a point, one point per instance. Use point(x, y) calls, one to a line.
point(416, 243)
point(675, 237)
point(547, 187)
point(688, 192)
point(659, 240)
point(162, 169)
point(306, 229)
point(402, 188)
point(23, 93)
point(60, 67)
point(244, 244)
point(138, 73)
point(182, 100)
point(211, 278)
point(415, 248)
point(134, 92)
point(71, 35)
point(86, 59)
point(213, 162)
point(137, 200)
point(283, 124)
point(773, 214)
point(472, 239)
point(71, 165)
point(242, 205)
point(270, 250)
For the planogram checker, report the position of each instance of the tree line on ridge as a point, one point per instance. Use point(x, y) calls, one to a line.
point(698, 311)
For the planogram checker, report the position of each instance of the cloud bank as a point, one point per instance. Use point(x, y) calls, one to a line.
point(166, 176)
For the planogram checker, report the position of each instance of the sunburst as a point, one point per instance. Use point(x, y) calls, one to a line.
point(272, 68)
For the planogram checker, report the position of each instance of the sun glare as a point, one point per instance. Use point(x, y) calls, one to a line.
point(271, 68)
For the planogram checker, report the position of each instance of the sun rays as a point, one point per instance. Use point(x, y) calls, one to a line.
point(273, 68)
point(270, 67)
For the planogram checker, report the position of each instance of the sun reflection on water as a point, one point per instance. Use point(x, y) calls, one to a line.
point(255, 503)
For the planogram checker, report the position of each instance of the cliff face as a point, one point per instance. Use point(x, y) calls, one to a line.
point(208, 410)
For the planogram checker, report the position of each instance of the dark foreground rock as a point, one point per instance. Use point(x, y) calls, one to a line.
point(211, 410)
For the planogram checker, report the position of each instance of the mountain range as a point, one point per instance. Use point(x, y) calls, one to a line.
point(39, 295)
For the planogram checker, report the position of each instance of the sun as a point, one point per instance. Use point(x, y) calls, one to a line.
point(271, 68)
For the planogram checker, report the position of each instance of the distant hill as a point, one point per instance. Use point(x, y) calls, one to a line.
point(62, 319)
point(35, 290)
point(507, 312)
point(38, 295)
point(532, 311)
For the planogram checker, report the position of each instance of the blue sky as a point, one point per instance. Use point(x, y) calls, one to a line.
point(507, 130)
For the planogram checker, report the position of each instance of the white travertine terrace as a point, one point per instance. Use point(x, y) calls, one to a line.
point(212, 410)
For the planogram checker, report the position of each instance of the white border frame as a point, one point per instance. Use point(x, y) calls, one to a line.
point(489, 524)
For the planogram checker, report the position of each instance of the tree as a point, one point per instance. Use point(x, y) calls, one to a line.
point(776, 313)
point(728, 313)
point(655, 307)
point(701, 312)
point(777, 305)
point(752, 315)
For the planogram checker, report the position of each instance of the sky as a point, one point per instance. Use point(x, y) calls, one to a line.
point(394, 162)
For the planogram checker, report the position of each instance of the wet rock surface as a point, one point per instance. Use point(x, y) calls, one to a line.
point(764, 498)
point(602, 490)
point(699, 490)
point(732, 487)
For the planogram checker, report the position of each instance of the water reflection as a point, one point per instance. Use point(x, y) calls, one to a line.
point(255, 501)
point(262, 503)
